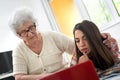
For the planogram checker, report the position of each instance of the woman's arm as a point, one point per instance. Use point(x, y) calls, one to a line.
point(30, 77)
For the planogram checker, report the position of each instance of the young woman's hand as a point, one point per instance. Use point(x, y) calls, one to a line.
point(83, 58)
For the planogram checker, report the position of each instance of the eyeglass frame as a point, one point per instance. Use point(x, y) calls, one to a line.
point(24, 33)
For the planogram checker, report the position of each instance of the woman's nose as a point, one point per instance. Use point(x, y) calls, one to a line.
point(82, 43)
point(29, 33)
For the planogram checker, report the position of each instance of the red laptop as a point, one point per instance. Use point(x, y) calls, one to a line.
point(83, 71)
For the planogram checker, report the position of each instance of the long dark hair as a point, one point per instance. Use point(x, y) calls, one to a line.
point(100, 54)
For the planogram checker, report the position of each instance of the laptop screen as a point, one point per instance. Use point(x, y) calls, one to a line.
point(6, 62)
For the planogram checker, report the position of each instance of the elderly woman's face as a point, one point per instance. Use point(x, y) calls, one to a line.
point(81, 42)
point(28, 29)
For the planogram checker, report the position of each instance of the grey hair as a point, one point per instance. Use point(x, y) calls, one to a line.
point(19, 17)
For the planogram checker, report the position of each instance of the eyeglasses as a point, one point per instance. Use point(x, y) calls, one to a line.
point(31, 29)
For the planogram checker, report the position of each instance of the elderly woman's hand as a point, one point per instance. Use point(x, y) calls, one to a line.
point(110, 42)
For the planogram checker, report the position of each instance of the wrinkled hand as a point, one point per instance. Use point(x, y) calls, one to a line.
point(83, 58)
point(43, 75)
point(106, 35)
point(110, 42)
point(107, 40)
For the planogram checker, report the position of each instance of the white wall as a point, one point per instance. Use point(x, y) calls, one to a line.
point(7, 40)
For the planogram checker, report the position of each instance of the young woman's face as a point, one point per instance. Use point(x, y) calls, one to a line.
point(81, 42)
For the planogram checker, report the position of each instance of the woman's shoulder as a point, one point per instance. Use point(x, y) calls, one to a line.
point(50, 32)
point(53, 34)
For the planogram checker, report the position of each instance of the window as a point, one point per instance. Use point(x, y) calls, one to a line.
point(117, 6)
point(97, 11)
point(66, 15)
point(104, 13)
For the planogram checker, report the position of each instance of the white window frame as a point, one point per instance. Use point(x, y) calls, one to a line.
point(110, 6)
point(50, 15)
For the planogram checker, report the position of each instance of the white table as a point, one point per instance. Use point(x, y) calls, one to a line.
point(6, 75)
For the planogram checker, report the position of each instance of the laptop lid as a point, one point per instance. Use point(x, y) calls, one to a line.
point(6, 62)
point(83, 71)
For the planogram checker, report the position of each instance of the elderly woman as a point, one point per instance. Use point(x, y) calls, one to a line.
point(39, 53)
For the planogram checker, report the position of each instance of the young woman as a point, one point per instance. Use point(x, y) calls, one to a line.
point(89, 45)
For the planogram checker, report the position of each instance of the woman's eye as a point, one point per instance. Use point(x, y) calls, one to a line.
point(77, 41)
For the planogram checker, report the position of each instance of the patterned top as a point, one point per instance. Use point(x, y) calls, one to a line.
point(110, 72)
